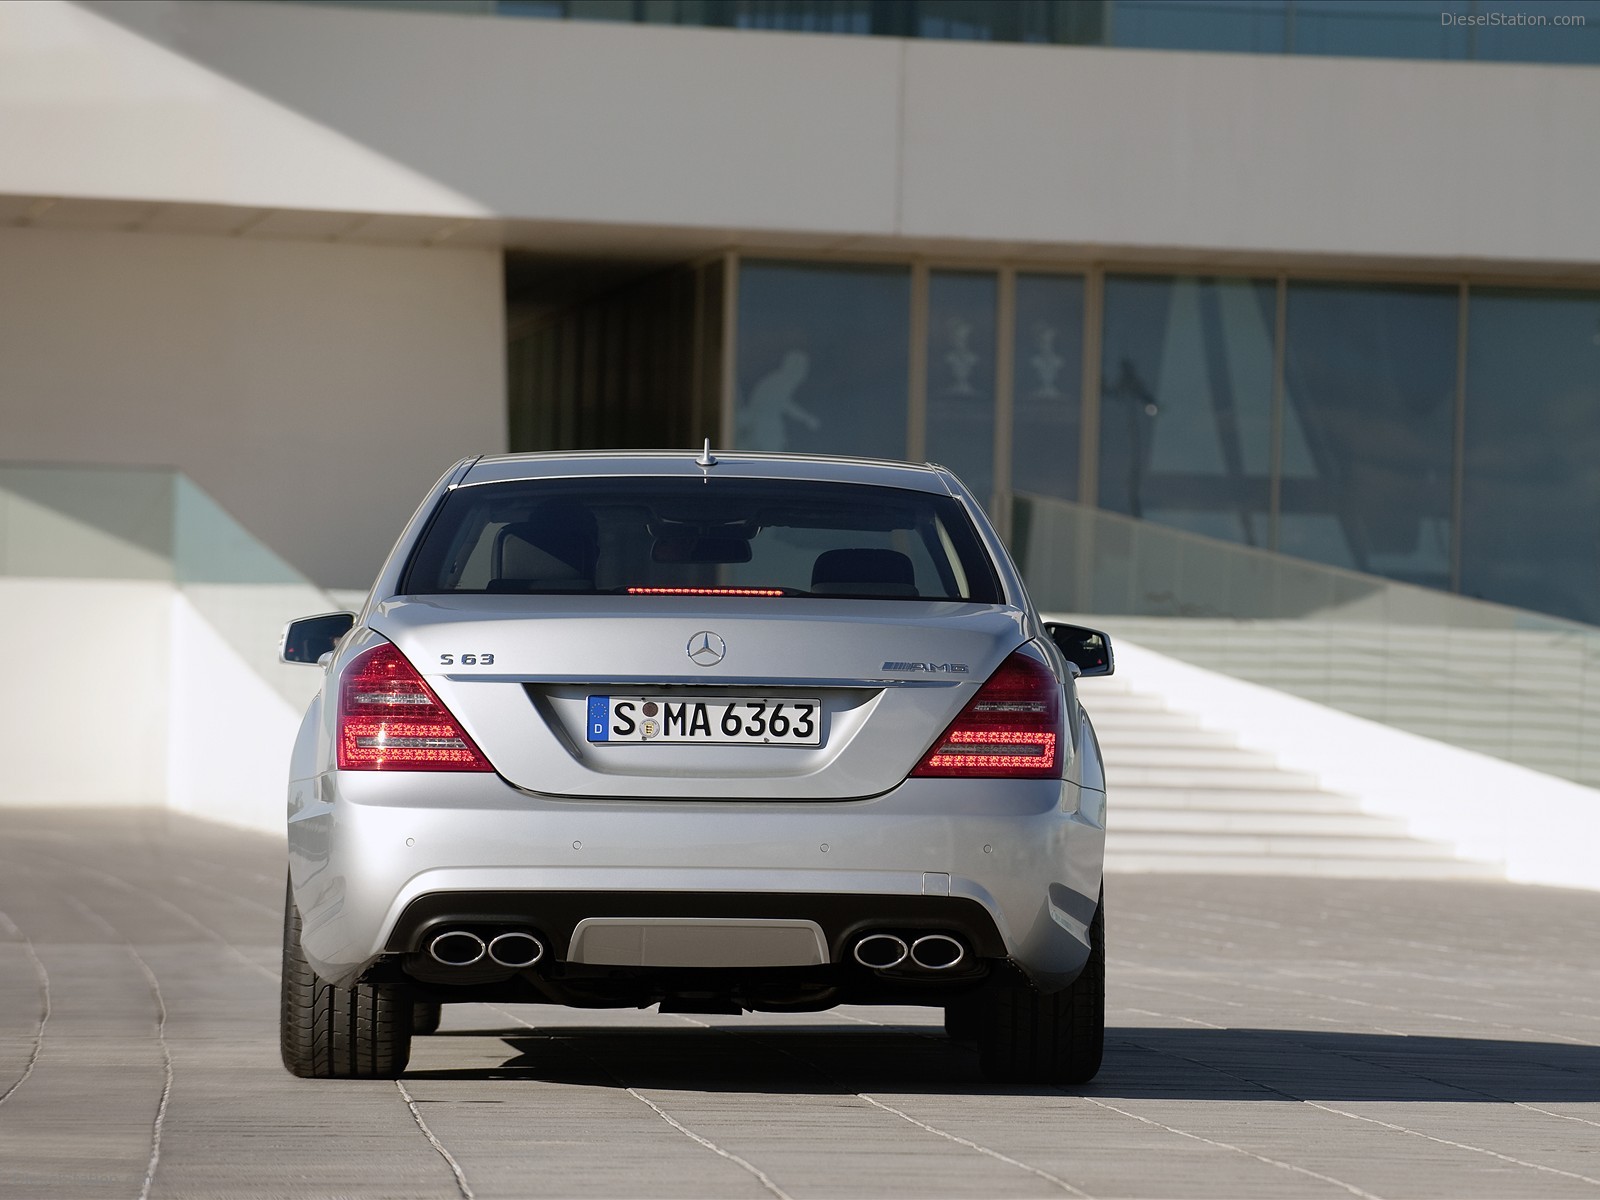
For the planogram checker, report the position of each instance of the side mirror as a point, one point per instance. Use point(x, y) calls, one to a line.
point(309, 638)
point(1087, 649)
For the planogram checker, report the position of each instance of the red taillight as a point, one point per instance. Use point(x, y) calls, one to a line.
point(1012, 729)
point(390, 720)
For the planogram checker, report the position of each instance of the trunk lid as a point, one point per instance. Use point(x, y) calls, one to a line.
point(889, 676)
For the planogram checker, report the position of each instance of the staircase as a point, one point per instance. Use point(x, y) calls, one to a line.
point(1185, 798)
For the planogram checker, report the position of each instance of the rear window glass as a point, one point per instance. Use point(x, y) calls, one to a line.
point(652, 536)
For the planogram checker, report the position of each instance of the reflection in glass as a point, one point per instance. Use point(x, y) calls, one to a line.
point(1539, 39)
point(1530, 524)
point(961, 350)
point(1254, 25)
point(1047, 382)
point(822, 358)
point(1392, 29)
point(1186, 403)
point(1369, 429)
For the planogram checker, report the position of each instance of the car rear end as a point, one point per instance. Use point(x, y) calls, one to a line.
point(765, 733)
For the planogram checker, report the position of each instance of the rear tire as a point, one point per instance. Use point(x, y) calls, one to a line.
point(327, 1032)
point(963, 1020)
point(425, 1016)
point(1029, 1037)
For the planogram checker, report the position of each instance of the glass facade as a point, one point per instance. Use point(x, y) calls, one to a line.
point(1339, 422)
point(1047, 404)
point(961, 375)
point(1530, 519)
point(822, 358)
point(1492, 30)
point(1368, 445)
point(1186, 403)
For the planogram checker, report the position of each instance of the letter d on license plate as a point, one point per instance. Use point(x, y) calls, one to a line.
point(724, 721)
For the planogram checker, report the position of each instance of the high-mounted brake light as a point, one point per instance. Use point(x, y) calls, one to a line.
point(703, 591)
point(390, 720)
point(1012, 729)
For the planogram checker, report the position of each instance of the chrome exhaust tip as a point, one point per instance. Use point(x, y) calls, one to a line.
point(516, 949)
point(880, 951)
point(937, 952)
point(457, 948)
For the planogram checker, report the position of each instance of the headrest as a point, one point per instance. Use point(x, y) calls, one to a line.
point(556, 547)
point(864, 572)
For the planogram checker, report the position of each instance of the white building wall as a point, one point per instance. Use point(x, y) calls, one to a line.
point(229, 732)
point(814, 140)
point(315, 390)
point(83, 713)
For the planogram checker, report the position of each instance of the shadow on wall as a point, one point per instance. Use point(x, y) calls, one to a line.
point(87, 522)
point(358, 77)
point(155, 525)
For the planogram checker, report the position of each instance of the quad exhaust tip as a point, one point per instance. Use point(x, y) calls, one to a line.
point(880, 951)
point(463, 948)
point(516, 949)
point(457, 948)
point(937, 952)
point(930, 952)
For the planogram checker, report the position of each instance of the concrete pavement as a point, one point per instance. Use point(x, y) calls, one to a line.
point(1269, 1037)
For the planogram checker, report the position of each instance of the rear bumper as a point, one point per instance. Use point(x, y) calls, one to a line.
point(376, 857)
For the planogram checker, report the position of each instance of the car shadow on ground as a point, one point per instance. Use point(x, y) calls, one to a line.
point(1140, 1063)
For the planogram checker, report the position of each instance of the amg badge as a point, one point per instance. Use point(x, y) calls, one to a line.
point(931, 667)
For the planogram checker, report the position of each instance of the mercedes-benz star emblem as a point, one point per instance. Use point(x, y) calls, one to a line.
point(706, 649)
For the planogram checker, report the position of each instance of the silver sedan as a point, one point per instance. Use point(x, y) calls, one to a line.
point(719, 733)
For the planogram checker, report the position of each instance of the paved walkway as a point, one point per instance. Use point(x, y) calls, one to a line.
point(1271, 1037)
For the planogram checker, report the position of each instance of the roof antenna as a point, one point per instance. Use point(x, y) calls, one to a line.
point(706, 458)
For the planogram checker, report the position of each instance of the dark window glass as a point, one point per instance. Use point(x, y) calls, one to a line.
point(1390, 29)
point(822, 358)
point(1258, 25)
point(1047, 380)
point(1530, 522)
point(628, 535)
point(968, 20)
point(961, 348)
point(600, 10)
point(1369, 429)
point(1528, 31)
point(1186, 403)
point(804, 16)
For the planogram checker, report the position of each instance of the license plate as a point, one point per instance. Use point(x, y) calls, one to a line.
point(725, 721)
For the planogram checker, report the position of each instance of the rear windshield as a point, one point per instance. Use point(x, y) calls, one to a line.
point(652, 536)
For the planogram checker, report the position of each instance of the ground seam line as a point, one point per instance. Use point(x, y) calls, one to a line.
point(44, 1012)
point(184, 914)
point(764, 1179)
point(1349, 1187)
point(933, 1129)
point(1561, 1116)
point(761, 1176)
point(161, 1039)
point(981, 1149)
point(455, 1167)
point(1458, 1145)
point(1398, 1128)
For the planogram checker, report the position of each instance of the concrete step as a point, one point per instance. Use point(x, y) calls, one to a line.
point(1120, 702)
point(1130, 737)
point(1232, 845)
point(1257, 823)
point(1310, 865)
point(1196, 758)
point(1228, 799)
point(1263, 778)
point(1187, 798)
